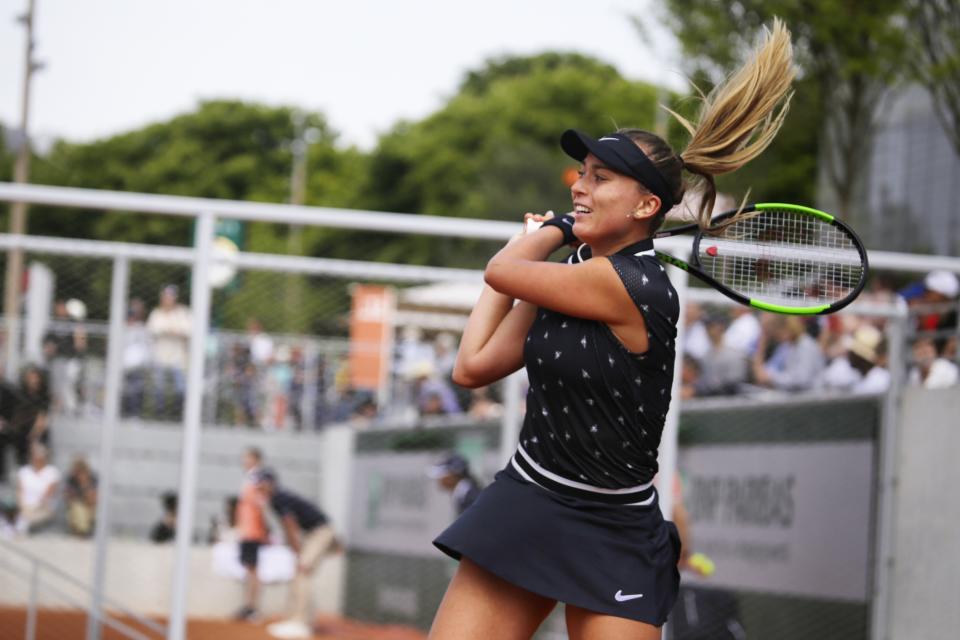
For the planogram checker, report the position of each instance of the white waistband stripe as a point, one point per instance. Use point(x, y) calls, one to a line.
point(579, 485)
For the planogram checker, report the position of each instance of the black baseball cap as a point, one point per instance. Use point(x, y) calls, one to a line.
point(453, 463)
point(263, 475)
point(620, 153)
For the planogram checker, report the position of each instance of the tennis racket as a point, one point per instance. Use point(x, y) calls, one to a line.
point(783, 258)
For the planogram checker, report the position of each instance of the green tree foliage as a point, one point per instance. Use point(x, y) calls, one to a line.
point(849, 53)
point(492, 151)
point(934, 56)
point(223, 149)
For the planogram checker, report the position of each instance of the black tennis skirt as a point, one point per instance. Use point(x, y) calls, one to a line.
point(614, 559)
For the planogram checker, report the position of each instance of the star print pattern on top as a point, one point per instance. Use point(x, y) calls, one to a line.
point(595, 410)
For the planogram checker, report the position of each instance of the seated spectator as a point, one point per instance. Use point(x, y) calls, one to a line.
point(81, 495)
point(695, 340)
point(433, 395)
point(224, 529)
point(866, 351)
point(722, 369)
point(483, 406)
point(37, 485)
point(165, 530)
point(690, 377)
point(744, 330)
point(796, 361)
point(930, 370)
point(932, 298)
point(839, 375)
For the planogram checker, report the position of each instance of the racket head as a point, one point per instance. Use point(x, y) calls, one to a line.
point(784, 258)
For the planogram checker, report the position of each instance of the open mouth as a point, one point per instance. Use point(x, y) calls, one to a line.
point(580, 211)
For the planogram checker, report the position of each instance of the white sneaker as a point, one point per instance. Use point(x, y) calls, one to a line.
point(289, 629)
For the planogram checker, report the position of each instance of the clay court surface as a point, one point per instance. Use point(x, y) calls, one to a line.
point(62, 624)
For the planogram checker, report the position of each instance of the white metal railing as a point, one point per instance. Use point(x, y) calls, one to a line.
point(201, 258)
point(35, 576)
point(354, 219)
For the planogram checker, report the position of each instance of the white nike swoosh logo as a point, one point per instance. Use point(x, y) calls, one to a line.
point(622, 597)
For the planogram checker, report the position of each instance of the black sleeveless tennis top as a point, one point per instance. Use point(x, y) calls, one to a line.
point(595, 410)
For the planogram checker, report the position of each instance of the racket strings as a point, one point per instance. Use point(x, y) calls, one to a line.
point(784, 257)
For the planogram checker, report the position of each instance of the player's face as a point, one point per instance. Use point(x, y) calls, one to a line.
point(604, 203)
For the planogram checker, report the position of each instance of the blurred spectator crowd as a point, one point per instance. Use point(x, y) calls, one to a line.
point(295, 383)
point(732, 350)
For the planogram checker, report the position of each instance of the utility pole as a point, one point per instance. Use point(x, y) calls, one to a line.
point(18, 210)
point(303, 137)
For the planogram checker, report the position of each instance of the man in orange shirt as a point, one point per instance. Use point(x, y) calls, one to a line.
point(251, 530)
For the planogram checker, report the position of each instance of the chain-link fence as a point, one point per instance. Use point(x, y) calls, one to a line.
point(336, 375)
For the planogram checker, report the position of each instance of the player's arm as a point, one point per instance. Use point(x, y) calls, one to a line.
point(492, 343)
point(590, 289)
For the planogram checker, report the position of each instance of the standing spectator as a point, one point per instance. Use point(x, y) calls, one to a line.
point(310, 536)
point(452, 473)
point(37, 485)
point(136, 358)
point(8, 405)
point(261, 345)
point(278, 378)
point(165, 530)
point(722, 369)
point(242, 374)
point(297, 386)
point(444, 354)
point(796, 361)
point(66, 347)
point(252, 530)
point(929, 369)
point(81, 495)
point(169, 326)
point(30, 415)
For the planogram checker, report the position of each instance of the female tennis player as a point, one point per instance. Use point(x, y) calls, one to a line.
point(573, 517)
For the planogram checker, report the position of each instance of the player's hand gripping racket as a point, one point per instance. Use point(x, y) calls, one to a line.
point(783, 258)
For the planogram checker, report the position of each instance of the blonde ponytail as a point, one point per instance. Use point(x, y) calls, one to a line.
point(741, 116)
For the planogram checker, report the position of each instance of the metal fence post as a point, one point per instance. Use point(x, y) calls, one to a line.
point(118, 297)
point(887, 475)
point(31, 631)
point(667, 458)
point(200, 318)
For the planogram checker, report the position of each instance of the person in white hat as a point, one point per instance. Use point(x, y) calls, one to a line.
point(866, 351)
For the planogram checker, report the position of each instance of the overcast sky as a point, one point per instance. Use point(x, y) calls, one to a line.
point(113, 65)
